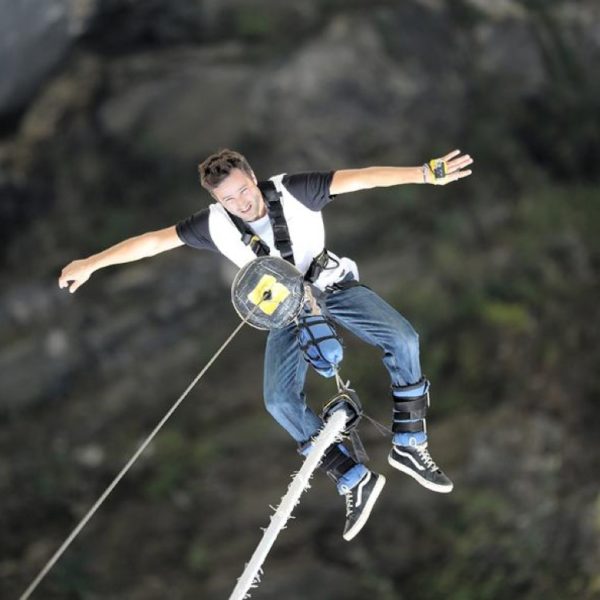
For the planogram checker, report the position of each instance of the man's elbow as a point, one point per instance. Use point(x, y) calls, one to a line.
point(163, 240)
point(352, 180)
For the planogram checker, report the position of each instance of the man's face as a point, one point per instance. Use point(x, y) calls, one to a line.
point(240, 195)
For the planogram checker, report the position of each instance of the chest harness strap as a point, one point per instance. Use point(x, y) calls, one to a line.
point(281, 234)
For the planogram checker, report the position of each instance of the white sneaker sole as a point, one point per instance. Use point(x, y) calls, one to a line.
point(434, 487)
point(353, 531)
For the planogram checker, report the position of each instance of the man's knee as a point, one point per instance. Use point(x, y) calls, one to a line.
point(271, 398)
point(279, 401)
point(406, 342)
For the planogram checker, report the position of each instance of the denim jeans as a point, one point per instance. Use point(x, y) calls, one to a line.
point(359, 310)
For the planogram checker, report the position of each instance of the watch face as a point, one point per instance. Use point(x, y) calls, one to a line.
point(268, 292)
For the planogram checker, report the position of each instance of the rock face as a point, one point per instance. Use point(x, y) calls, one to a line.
point(34, 38)
point(106, 108)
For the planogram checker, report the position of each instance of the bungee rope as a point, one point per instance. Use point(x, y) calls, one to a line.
point(340, 416)
point(54, 559)
point(330, 433)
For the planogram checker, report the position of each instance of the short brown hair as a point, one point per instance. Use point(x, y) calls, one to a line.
point(218, 166)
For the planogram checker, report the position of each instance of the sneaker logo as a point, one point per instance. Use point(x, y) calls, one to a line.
point(361, 485)
point(407, 455)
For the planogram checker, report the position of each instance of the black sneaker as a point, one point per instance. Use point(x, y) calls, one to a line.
point(417, 462)
point(360, 501)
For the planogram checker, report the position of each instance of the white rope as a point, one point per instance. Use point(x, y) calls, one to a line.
point(126, 468)
point(328, 435)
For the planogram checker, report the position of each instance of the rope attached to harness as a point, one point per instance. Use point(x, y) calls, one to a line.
point(54, 559)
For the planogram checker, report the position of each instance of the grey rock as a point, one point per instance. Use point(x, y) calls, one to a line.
point(183, 104)
point(352, 91)
point(34, 37)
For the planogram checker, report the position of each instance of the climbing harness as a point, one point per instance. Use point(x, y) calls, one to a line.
point(321, 346)
point(281, 234)
point(286, 289)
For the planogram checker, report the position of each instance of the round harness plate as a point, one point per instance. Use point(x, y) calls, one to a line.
point(268, 292)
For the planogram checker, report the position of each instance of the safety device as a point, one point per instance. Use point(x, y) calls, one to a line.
point(410, 410)
point(320, 343)
point(268, 292)
point(317, 337)
point(348, 401)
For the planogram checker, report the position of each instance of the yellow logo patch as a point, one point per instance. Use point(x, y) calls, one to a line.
point(268, 285)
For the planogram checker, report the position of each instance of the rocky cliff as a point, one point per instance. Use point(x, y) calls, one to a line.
point(105, 109)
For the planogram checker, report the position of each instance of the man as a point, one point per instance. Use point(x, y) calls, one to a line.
point(282, 217)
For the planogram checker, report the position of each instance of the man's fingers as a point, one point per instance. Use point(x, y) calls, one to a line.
point(462, 161)
point(451, 155)
point(64, 281)
point(459, 175)
point(454, 177)
point(63, 278)
point(68, 281)
point(459, 163)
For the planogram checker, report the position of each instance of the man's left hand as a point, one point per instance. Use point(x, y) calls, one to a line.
point(446, 169)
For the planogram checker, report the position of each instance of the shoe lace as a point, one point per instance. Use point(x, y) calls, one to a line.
point(426, 457)
point(349, 502)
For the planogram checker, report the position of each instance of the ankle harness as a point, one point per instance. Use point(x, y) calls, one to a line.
point(410, 408)
point(336, 462)
point(348, 401)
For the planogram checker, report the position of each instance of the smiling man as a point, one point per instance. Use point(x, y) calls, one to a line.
point(281, 216)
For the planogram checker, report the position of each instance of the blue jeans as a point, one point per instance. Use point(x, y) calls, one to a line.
point(369, 317)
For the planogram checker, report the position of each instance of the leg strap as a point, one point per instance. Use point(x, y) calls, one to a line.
point(320, 343)
point(410, 411)
point(336, 462)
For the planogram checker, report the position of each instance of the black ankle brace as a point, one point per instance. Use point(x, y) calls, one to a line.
point(410, 408)
point(336, 463)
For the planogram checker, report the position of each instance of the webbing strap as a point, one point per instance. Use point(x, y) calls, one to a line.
point(281, 234)
point(249, 237)
point(407, 410)
point(408, 426)
point(342, 285)
point(314, 341)
point(414, 408)
point(317, 265)
point(336, 463)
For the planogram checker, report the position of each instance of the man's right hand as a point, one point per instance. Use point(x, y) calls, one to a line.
point(75, 274)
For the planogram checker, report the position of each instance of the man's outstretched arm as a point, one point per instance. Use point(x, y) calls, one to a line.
point(76, 273)
point(353, 180)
